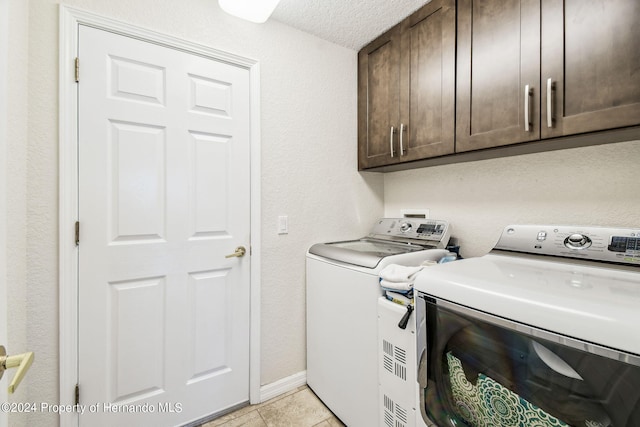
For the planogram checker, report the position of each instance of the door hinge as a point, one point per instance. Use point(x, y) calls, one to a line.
point(77, 69)
point(77, 394)
point(77, 233)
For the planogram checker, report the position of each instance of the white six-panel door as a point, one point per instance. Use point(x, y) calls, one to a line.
point(163, 198)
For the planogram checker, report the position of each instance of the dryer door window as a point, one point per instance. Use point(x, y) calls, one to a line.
point(483, 371)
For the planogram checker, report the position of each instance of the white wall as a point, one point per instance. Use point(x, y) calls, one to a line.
point(308, 167)
point(582, 186)
point(16, 190)
point(4, 57)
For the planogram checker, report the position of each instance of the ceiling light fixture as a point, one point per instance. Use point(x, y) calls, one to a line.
point(257, 11)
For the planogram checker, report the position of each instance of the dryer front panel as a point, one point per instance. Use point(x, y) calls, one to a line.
point(481, 370)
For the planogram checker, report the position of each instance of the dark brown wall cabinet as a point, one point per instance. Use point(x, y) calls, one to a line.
point(537, 69)
point(406, 89)
point(523, 71)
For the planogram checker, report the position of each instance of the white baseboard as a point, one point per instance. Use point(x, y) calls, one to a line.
point(269, 391)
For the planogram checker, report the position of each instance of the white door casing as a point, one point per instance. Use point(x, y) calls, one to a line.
point(151, 204)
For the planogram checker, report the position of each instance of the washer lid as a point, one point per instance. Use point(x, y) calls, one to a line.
point(362, 252)
point(595, 303)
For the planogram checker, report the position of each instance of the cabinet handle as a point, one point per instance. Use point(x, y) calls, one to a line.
point(550, 91)
point(391, 141)
point(527, 102)
point(401, 144)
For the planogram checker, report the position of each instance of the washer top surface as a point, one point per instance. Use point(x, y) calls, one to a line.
point(389, 237)
point(364, 252)
point(592, 301)
point(375, 247)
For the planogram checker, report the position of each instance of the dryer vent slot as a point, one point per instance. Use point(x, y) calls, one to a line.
point(401, 372)
point(387, 347)
point(388, 363)
point(394, 414)
point(394, 360)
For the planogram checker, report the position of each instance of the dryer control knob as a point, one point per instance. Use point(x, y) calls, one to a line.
point(405, 226)
point(577, 241)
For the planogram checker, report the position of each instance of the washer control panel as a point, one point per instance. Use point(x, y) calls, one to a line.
point(419, 231)
point(619, 245)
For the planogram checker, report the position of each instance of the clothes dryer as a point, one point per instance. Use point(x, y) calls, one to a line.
point(542, 331)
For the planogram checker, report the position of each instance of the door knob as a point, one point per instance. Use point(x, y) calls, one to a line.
point(239, 253)
point(21, 361)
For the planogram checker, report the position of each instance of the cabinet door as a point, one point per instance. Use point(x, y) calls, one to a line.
point(498, 59)
point(427, 93)
point(591, 55)
point(378, 101)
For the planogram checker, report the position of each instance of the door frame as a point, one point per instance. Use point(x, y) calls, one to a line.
point(70, 20)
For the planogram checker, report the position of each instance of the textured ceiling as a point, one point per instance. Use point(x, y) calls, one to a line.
point(349, 23)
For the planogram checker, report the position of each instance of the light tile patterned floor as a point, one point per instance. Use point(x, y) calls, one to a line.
point(298, 408)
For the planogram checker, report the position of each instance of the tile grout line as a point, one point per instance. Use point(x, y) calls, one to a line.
point(262, 418)
point(263, 405)
point(268, 405)
point(245, 410)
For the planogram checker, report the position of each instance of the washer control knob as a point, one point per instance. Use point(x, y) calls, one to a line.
point(405, 226)
point(577, 241)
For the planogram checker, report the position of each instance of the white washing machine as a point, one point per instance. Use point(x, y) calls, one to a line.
point(542, 331)
point(342, 300)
